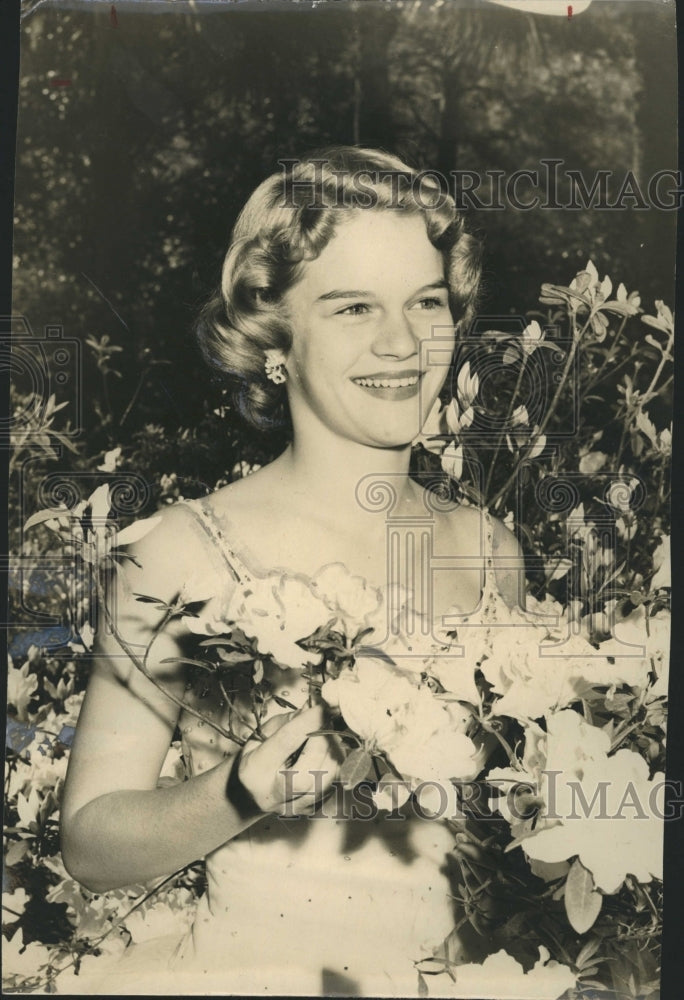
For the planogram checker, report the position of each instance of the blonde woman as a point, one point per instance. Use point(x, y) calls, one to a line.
point(342, 270)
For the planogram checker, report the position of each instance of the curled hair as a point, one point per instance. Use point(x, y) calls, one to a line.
point(289, 220)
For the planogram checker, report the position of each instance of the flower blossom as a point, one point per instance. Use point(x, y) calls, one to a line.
point(111, 461)
point(661, 564)
point(536, 672)
point(348, 597)
point(600, 808)
point(278, 610)
point(452, 461)
point(21, 686)
point(548, 980)
point(423, 736)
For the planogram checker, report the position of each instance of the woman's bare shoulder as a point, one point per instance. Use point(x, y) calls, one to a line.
point(168, 547)
point(469, 523)
point(473, 521)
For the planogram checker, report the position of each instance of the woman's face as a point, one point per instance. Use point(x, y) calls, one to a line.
point(366, 315)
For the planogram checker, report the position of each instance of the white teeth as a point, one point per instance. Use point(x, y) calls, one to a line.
point(387, 383)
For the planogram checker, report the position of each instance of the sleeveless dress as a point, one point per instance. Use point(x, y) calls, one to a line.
point(315, 905)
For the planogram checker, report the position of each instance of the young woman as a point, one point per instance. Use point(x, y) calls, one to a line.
point(346, 284)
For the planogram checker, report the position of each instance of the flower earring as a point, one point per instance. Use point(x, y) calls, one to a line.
point(275, 367)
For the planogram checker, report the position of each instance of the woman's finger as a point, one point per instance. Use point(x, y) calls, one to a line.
point(318, 756)
point(291, 735)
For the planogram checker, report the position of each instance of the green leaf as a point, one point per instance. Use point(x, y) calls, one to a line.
point(146, 599)
point(355, 768)
point(47, 515)
point(582, 902)
point(346, 733)
point(587, 953)
point(235, 657)
point(188, 662)
point(283, 702)
point(17, 852)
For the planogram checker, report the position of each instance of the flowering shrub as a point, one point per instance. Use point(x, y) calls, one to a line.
point(543, 745)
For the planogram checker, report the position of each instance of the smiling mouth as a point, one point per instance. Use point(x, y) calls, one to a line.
point(390, 387)
point(380, 382)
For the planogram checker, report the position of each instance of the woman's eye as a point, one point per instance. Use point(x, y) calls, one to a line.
point(431, 302)
point(356, 309)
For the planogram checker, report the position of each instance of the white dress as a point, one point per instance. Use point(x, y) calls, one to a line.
point(318, 905)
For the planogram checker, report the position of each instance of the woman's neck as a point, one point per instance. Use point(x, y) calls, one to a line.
point(335, 478)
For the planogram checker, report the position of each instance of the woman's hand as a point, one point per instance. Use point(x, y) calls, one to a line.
point(290, 772)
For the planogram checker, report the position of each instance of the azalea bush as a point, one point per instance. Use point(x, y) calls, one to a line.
point(540, 741)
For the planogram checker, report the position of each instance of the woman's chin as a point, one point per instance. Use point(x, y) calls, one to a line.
point(391, 437)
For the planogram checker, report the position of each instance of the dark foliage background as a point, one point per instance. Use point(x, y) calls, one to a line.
point(143, 128)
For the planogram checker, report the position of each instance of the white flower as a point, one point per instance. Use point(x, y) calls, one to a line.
point(452, 461)
point(21, 686)
point(423, 737)
point(665, 441)
point(28, 808)
point(348, 597)
point(112, 460)
point(46, 770)
point(601, 808)
point(86, 638)
point(467, 385)
point(391, 795)
point(649, 635)
point(530, 685)
point(172, 770)
point(548, 980)
point(159, 919)
point(533, 441)
point(458, 419)
point(520, 417)
point(592, 461)
point(661, 564)
point(243, 469)
point(532, 336)
point(455, 673)
point(208, 590)
point(278, 610)
point(537, 672)
point(372, 698)
point(91, 914)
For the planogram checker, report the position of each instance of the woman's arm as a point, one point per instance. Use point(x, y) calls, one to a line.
point(117, 826)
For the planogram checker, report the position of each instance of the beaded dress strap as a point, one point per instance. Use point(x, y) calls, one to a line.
point(212, 528)
point(490, 592)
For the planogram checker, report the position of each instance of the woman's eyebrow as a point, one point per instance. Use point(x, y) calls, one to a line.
point(434, 285)
point(342, 294)
point(356, 293)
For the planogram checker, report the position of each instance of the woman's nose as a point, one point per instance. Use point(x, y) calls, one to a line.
point(395, 338)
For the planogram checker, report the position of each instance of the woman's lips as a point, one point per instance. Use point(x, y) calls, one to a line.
point(386, 385)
